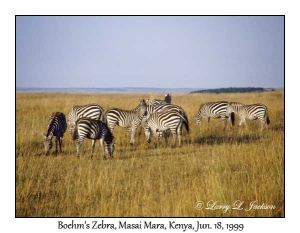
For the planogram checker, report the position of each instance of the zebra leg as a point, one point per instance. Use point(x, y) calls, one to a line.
point(263, 124)
point(208, 119)
point(102, 147)
point(93, 147)
point(179, 130)
point(132, 135)
point(78, 148)
point(174, 137)
point(60, 144)
point(224, 120)
point(56, 142)
point(155, 136)
point(147, 134)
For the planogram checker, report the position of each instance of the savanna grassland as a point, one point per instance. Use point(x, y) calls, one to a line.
point(212, 169)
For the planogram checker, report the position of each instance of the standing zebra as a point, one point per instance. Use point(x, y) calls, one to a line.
point(56, 126)
point(250, 112)
point(214, 110)
point(93, 129)
point(93, 111)
point(128, 119)
point(160, 122)
point(155, 106)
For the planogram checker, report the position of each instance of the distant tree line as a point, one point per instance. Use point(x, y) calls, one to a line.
point(234, 90)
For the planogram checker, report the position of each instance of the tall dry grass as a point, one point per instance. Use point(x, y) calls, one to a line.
point(240, 164)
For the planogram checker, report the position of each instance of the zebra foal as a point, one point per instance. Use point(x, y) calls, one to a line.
point(160, 122)
point(56, 126)
point(251, 112)
point(96, 130)
point(214, 110)
point(128, 119)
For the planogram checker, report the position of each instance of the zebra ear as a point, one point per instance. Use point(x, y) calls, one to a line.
point(44, 135)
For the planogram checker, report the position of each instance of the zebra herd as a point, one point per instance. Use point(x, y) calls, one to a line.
point(156, 117)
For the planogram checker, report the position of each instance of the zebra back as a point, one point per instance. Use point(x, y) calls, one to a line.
point(126, 118)
point(57, 124)
point(93, 111)
point(93, 129)
point(160, 119)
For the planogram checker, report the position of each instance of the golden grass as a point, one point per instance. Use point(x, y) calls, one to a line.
point(143, 180)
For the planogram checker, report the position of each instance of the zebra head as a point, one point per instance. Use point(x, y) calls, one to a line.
point(47, 141)
point(110, 147)
point(168, 98)
point(143, 107)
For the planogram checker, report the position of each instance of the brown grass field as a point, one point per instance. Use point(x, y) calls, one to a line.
point(215, 168)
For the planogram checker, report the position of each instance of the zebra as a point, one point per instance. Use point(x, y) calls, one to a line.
point(93, 111)
point(160, 122)
point(93, 129)
point(251, 112)
point(167, 99)
point(128, 119)
point(56, 126)
point(155, 106)
point(214, 110)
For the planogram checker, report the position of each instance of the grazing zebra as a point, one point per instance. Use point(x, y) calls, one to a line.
point(167, 99)
point(93, 111)
point(214, 110)
point(160, 122)
point(93, 129)
point(128, 119)
point(57, 126)
point(250, 112)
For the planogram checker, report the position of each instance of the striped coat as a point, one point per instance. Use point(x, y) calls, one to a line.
point(95, 130)
point(56, 126)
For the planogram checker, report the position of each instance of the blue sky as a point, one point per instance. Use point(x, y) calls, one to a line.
point(150, 51)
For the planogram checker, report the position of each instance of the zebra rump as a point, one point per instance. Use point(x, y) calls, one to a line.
point(93, 111)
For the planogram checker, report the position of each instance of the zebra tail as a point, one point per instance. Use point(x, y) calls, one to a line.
point(268, 120)
point(75, 133)
point(186, 123)
point(187, 126)
point(232, 118)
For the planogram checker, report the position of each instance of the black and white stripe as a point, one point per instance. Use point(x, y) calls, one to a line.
point(56, 126)
point(128, 119)
point(250, 112)
point(93, 129)
point(214, 110)
point(93, 111)
point(160, 122)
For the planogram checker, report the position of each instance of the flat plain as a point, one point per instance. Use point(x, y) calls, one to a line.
point(238, 172)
